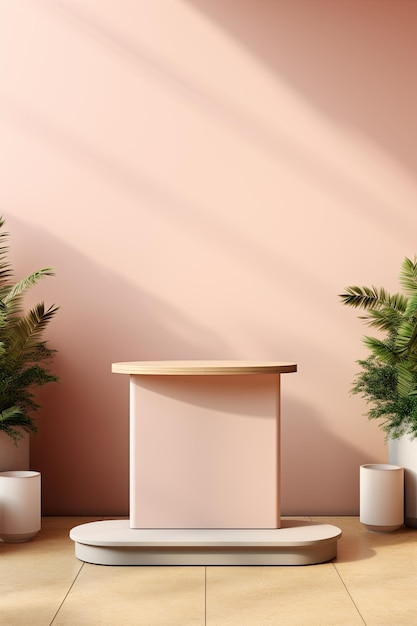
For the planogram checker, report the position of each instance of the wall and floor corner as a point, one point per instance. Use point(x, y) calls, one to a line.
point(206, 177)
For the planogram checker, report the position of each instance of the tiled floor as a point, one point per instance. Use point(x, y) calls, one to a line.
point(372, 581)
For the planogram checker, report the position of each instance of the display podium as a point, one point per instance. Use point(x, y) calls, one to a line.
point(205, 472)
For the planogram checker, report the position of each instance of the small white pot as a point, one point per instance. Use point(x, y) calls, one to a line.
point(382, 497)
point(20, 505)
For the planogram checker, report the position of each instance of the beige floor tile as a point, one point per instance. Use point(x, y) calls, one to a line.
point(148, 596)
point(372, 581)
point(35, 576)
point(380, 572)
point(353, 543)
point(268, 596)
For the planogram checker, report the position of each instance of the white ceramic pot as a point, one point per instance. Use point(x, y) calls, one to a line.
point(20, 505)
point(382, 497)
point(403, 451)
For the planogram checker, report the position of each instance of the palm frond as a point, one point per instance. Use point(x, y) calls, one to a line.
point(364, 297)
point(408, 276)
point(14, 420)
point(6, 271)
point(406, 379)
point(406, 331)
point(387, 319)
point(24, 355)
point(28, 330)
point(373, 298)
point(411, 310)
point(388, 377)
point(382, 351)
point(22, 285)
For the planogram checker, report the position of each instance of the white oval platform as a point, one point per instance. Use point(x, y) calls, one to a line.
point(297, 542)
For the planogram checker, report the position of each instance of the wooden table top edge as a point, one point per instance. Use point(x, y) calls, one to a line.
point(202, 367)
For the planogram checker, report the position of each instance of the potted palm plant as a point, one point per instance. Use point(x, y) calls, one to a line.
point(387, 378)
point(24, 355)
point(24, 366)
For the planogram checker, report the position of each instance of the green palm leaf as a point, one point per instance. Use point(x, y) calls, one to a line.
point(373, 299)
point(380, 350)
point(408, 276)
point(406, 379)
point(21, 286)
point(364, 297)
point(387, 319)
point(24, 355)
point(388, 377)
point(28, 331)
point(405, 333)
point(14, 420)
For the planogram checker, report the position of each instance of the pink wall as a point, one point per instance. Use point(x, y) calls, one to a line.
point(206, 177)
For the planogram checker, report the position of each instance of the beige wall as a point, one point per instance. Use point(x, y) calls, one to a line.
point(206, 177)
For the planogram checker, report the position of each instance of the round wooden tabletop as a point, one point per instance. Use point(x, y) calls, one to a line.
point(202, 368)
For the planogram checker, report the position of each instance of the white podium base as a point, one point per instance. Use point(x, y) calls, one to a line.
point(115, 543)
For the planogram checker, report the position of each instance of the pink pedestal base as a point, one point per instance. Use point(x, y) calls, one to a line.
point(204, 451)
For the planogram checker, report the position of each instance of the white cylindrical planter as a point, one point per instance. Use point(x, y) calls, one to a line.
point(382, 497)
point(20, 505)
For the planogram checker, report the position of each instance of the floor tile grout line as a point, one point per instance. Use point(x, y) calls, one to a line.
point(67, 594)
point(348, 592)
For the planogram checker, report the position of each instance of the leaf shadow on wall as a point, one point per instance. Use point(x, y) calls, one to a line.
point(82, 446)
point(354, 61)
point(368, 87)
point(153, 194)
